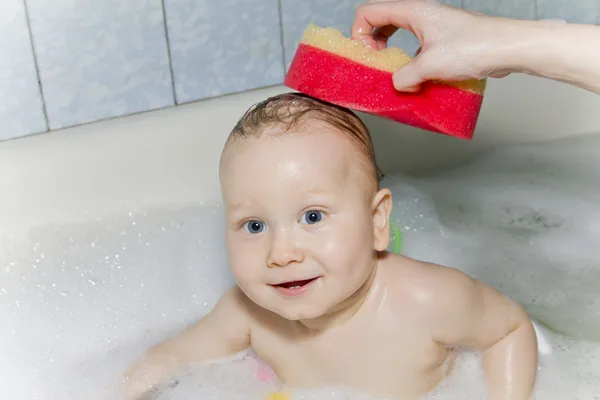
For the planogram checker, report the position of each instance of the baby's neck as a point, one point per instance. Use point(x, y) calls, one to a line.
point(344, 311)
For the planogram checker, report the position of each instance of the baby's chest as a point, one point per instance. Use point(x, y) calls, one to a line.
point(362, 358)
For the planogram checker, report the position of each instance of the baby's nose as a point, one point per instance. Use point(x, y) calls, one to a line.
point(284, 250)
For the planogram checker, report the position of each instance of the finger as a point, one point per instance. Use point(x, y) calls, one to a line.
point(380, 14)
point(410, 77)
point(382, 34)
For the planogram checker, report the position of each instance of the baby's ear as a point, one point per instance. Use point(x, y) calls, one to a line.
point(382, 207)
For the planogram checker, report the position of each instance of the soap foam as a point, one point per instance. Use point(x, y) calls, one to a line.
point(79, 303)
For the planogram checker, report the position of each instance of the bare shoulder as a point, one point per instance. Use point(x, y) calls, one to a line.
point(229, 320)
point(227, 324)
point(436, 292)
point(424, 281)
point(235, 312)
point(234, 308)
point(454, 306)
point(234, 299)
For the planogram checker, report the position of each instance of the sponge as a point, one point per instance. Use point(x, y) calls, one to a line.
point(342, 71)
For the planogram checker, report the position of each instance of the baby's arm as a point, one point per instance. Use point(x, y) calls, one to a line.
point(467, 313)
point(223, 331)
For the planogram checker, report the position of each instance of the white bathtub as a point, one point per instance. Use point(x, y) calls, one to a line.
point(171, 157)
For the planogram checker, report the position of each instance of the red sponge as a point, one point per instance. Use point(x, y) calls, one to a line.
point(336, 69)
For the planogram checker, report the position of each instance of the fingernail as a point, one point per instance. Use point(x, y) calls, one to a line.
point(408, 89)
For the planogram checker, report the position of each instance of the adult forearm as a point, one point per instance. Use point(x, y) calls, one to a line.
point(510, 365)
point(564, 52)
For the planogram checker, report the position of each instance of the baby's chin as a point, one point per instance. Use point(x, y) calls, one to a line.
point(299, 308)
point(303, 312)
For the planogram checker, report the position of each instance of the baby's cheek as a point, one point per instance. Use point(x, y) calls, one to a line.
point(244, 261)
point(342, 248)
point(242, 271)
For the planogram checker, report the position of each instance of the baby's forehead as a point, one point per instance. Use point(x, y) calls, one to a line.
point(310, 149)
point(312, 139)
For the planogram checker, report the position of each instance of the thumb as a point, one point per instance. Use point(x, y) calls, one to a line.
point(409, 77)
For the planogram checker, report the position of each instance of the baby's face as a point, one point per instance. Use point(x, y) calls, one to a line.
point(303, 223)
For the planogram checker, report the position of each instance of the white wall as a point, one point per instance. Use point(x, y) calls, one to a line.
point(172, 155)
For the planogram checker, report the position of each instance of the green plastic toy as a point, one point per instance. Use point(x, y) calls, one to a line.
point(396, 237)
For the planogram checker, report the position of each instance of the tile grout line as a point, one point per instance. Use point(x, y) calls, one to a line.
point(36, 66)
point(168, 42)
point(281, 35)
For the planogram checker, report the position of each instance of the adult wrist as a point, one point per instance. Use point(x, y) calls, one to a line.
point(515, 45)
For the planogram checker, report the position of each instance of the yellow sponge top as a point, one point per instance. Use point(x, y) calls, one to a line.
point(389, 59)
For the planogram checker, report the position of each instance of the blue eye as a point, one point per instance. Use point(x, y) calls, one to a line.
point(312, 217)
point(254, 226)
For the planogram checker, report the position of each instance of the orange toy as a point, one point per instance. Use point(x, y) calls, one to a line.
point(342, 71)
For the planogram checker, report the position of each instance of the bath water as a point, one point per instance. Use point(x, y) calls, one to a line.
point(80, 302)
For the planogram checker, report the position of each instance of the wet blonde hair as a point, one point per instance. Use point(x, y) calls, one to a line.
point(292, 109)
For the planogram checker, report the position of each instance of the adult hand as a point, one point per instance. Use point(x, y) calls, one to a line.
point(459, 45)
point(455, 44)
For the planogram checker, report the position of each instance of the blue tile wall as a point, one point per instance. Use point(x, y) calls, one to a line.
point(21, 110)
point(296, 14)
point(67, 62)
point(522, 9)
point(100, 58)
point(225, 46)
point(580, 11)
point(453, 3)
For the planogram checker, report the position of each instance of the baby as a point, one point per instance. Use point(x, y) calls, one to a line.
point(318, 297)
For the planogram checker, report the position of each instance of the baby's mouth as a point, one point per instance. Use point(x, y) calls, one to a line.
point(295, 284)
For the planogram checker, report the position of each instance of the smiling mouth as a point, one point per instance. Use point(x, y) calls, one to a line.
point(295, 284)
point(295, 288)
